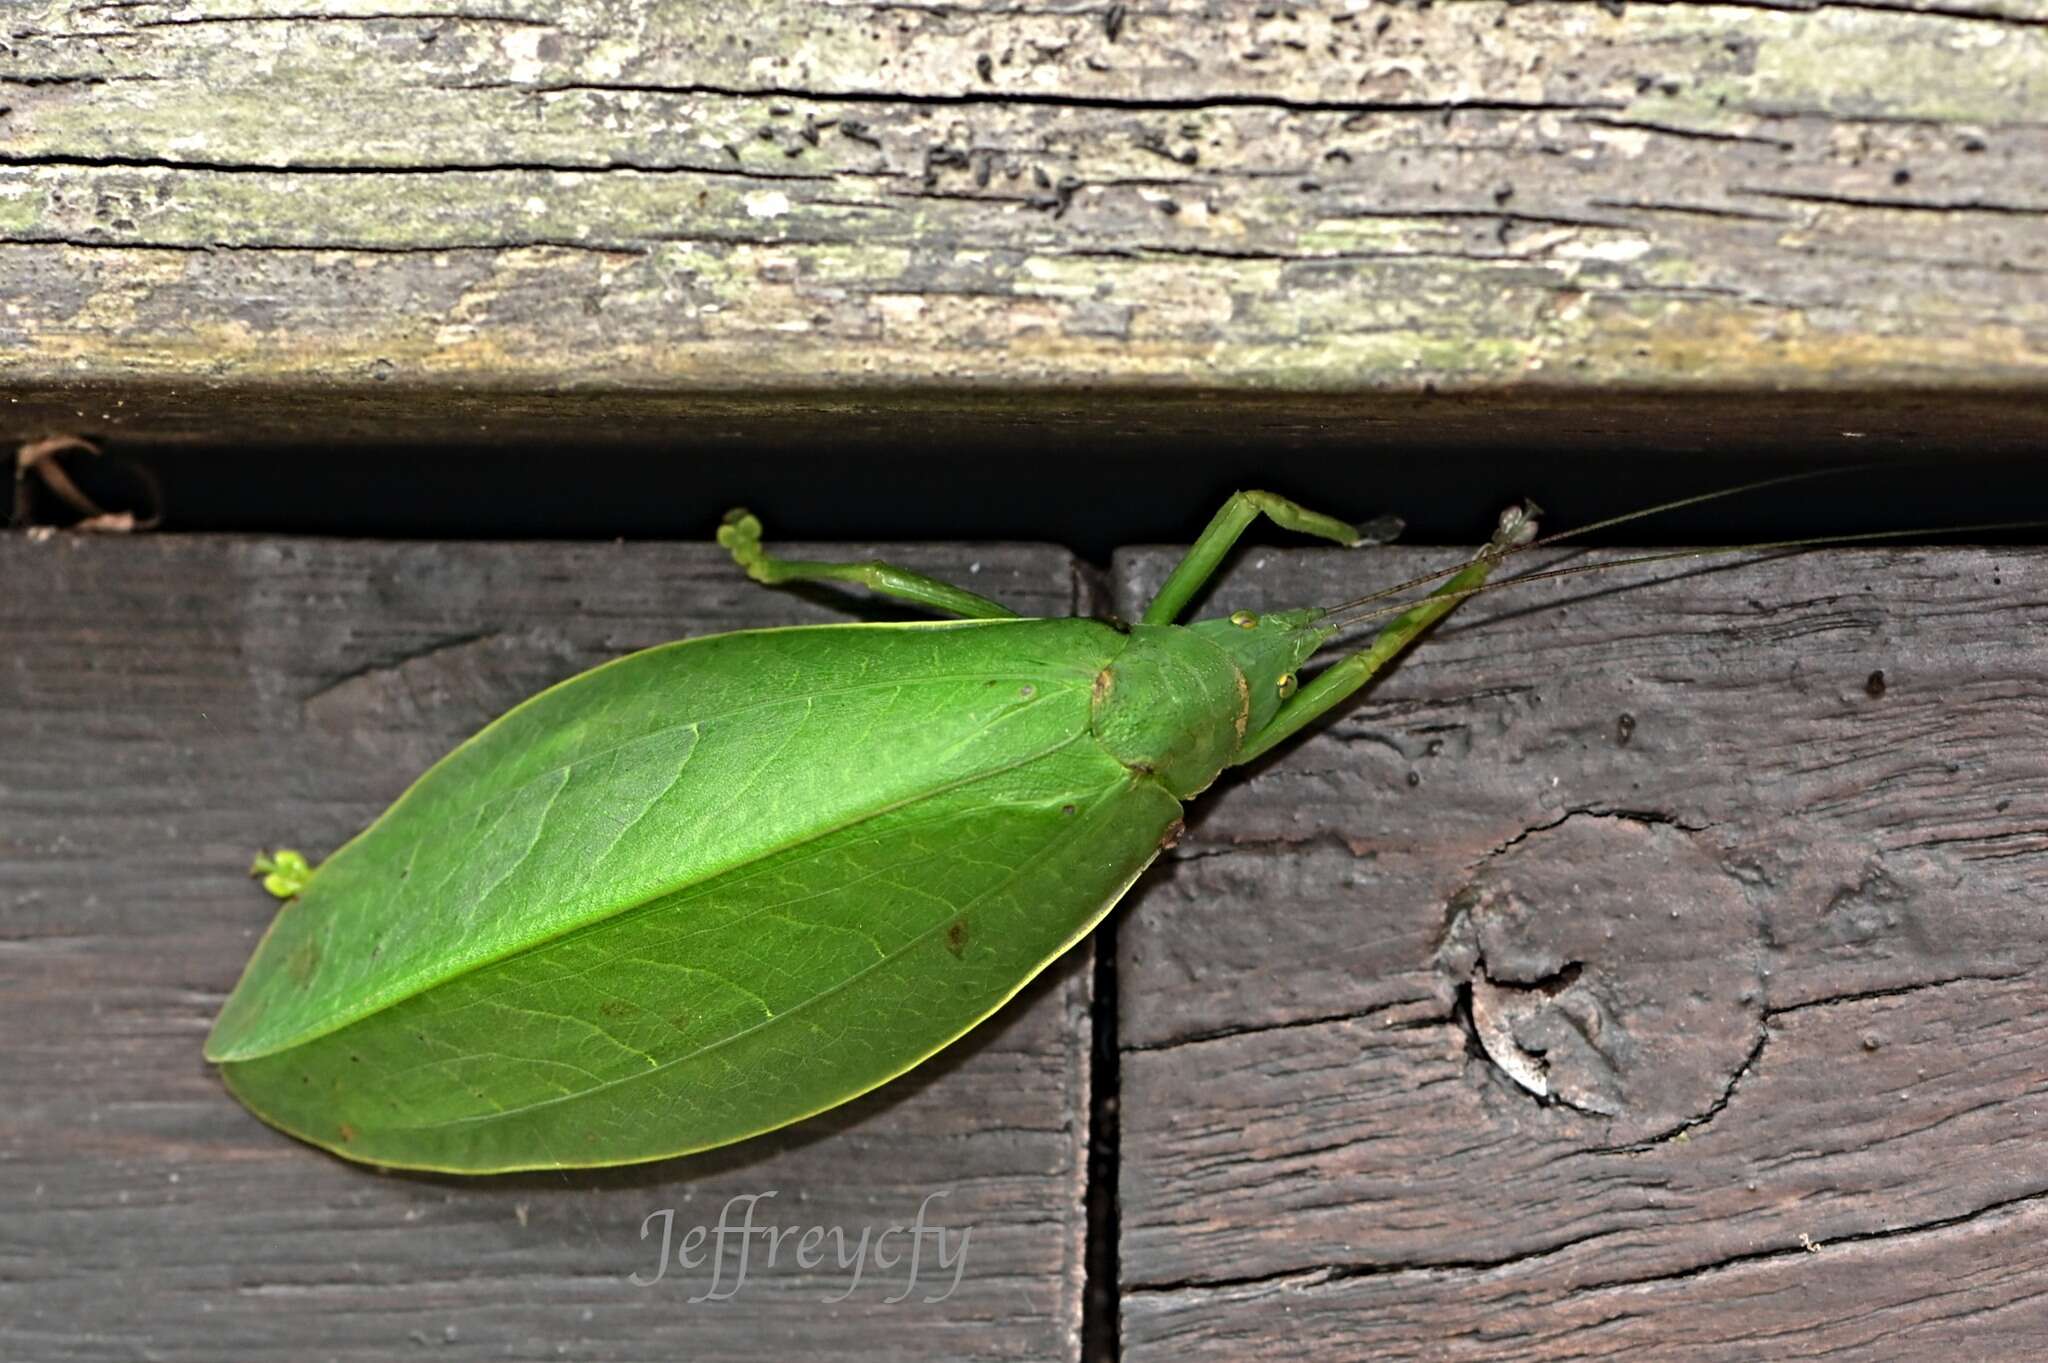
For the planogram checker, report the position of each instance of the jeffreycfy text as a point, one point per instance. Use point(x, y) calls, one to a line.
point(917, 1254)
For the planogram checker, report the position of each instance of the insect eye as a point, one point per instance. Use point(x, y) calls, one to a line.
point(1288, 682)
point(1244, 620)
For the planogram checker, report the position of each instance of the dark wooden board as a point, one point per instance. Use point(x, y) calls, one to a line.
point(169, 705)
point(615, 218)
point(1783, 946)
point(1755, 857)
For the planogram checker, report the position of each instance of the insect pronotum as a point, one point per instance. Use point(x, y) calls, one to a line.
point(715, 887)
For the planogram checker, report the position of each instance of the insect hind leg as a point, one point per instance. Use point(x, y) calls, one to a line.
point(741, 535)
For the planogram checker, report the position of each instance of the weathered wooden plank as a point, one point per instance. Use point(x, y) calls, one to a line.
point(1971, 1289)
point(1744, 868)
point(689, 207)
point(168, 704)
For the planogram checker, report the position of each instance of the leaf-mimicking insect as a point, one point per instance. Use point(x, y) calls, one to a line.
point(717, 886)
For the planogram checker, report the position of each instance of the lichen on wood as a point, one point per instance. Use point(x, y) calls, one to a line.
point(1349, 200)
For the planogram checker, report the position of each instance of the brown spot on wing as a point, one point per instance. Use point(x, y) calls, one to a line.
point(303, 962)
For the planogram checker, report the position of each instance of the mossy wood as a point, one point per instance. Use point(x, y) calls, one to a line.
point(609, 215)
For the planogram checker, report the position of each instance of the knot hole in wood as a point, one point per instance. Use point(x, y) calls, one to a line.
point(1607, 967)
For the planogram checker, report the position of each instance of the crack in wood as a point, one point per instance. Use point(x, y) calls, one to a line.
point(1691, 134)
point(317, 17)
point(365, 248)
point(1892, 992)
point(1684, 1130)
point(1048, 100)
point(1906, 8)
point(394, 665)
point(1297, 1278)
point(613, 166)
point(1287, 1024)
point(1841, 200)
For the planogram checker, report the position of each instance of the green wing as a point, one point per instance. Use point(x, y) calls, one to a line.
point(695, 894)
point(751, 999)
point(642, 777)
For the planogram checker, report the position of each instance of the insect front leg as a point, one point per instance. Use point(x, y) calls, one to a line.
point(1216, 539)
point(741, 533)
point(1335, 683)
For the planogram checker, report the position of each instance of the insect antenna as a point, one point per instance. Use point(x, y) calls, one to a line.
point(1766, 547)
point(1501, 551)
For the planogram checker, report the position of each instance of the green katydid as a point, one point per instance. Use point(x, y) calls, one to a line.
point(717, 886)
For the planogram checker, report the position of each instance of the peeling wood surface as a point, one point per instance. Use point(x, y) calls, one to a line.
point(169, 704)
point(351, 208)
point(1744, 868)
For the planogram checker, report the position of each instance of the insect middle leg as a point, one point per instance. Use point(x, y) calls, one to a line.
point(1210, 547)
point(741, 533)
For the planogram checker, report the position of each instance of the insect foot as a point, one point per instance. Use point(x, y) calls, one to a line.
point(284, 873)
point(740, 534)
point(1517, 526)
point(1607, 965)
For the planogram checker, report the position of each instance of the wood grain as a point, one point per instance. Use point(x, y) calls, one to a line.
point(1744, 866)
point(616, 216)
point(168, 705)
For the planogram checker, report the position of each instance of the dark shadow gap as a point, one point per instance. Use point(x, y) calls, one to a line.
point(1069, 493)
point(1101, 1305)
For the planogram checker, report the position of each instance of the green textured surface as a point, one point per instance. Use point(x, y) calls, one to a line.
point(695, 895)
point(648, 777)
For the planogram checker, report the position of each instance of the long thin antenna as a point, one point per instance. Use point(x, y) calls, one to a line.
point(1594, 527)
point(1666, 556)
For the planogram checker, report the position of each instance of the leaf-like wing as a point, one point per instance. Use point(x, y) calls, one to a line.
point(629, 783)
point(748, 1000)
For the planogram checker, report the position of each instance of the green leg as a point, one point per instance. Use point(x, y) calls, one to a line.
point(1335, 683)
point(1216, 539)
point(741, 533)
